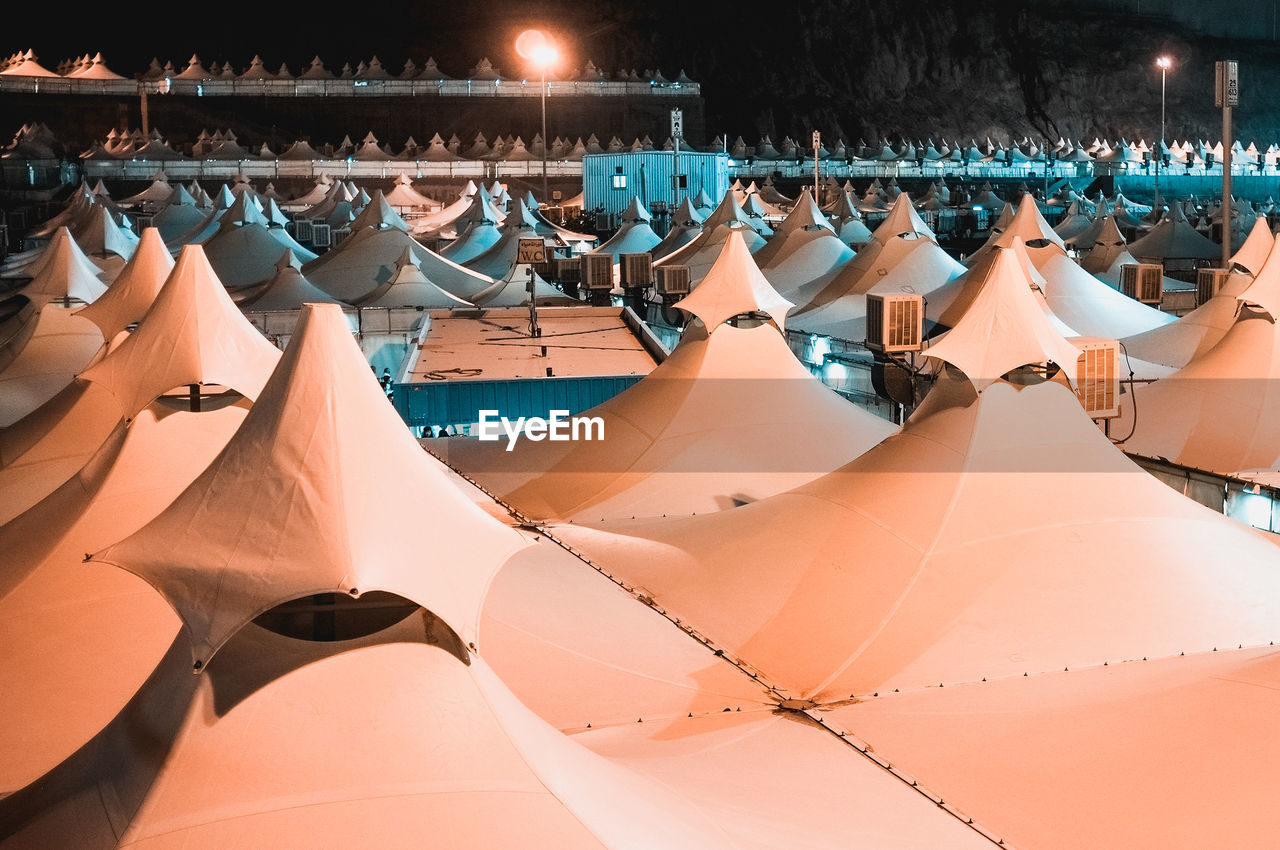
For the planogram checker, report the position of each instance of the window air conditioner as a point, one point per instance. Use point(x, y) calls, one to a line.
point(895, 322)
point(1143, 281)
point(597, 271)
point(636, 270)
point(673, 280)
point(1098, 376)
point(1209, 282)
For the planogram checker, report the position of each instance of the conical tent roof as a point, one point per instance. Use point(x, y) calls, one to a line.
point(1103, 243)
point(134, 290)
point(733, 286)
point(958, 574)
point(287, 289)
point(409, 287)
point(1003, 328)
point(636, 236)
point(192, 334)
point(98, 235)
point(378, 212)
point(686, 224)
point(485, 772)
point(367, 258)
point(902, 218)
point(1174, 238)
point(404, 196)
point(65, 274)
point(324, 464)
point(1089, 306)
point(699, 432)
point(1220, 411)
point(1257, 246)
point(499, 260)
point(805, 249)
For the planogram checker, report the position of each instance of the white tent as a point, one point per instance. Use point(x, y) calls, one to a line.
point(731, 416)
point(286, 290)
point(1220, 411)
point(245, 249)
point(686, 224)
point(973, 544)
point(409, 287)
point(368, 257)
point(805, 250)
point(455, 775)
point(635, 236)
point(192, 334)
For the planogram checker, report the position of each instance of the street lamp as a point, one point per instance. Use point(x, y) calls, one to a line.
point(537, 47)
point(1163, 63)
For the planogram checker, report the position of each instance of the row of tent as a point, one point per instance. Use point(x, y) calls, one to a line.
point(25, 64)
point(899, 591)
point(225, 145)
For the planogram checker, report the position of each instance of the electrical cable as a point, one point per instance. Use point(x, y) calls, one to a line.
point(1133, 396)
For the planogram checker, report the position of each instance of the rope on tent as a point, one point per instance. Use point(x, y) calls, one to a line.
point(805, 708)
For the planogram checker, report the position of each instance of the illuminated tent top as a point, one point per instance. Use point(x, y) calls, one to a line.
point(192, 334)
point(1003, 328)
point(321, 490)
point(134, 290)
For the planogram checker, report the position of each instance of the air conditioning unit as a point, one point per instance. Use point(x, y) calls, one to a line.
point(1098, 376)
point(1143, 281)
point(1209, 282)
point(636, 270)
point(302, 230)
point(604, 221)
point(141, 223)
point(895, 322)
point(673, 280)
point(568, 269)
point(320, 236)
point(597, 271)
point(340, 235)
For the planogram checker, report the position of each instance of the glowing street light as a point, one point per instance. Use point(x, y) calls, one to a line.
point(537, 47)
point(1164, 63)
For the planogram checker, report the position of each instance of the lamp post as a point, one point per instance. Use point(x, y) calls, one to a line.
point(1163, 63)
point(538, 48)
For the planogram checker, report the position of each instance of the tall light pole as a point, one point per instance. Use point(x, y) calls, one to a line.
point(538, 48)
point(1163, 63)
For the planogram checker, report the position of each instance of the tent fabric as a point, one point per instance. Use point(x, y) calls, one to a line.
point(1003, 328)
point(193, 334)
point(66, 274)
point(367, 258)
point(409, 287)
point(902, 219)
point(732, 286)
point(54, 347)
point(1009, 752)
point(1174, 238)
point(903, 266)
point(485, 772)
point(717, 423)
point(579, 653)
point(301, 500)
point(287, 289)
point(959, 574)
point(1088, 305)
point(134, 290)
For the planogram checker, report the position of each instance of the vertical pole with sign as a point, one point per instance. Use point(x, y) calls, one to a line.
point(1226, 95)
point(677, 131)
point(817, 143)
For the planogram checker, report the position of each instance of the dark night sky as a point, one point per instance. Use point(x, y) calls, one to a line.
point(857, 67)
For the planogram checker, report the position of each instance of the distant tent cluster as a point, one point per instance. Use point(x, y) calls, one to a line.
point(25, 64)
point(223, 144)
